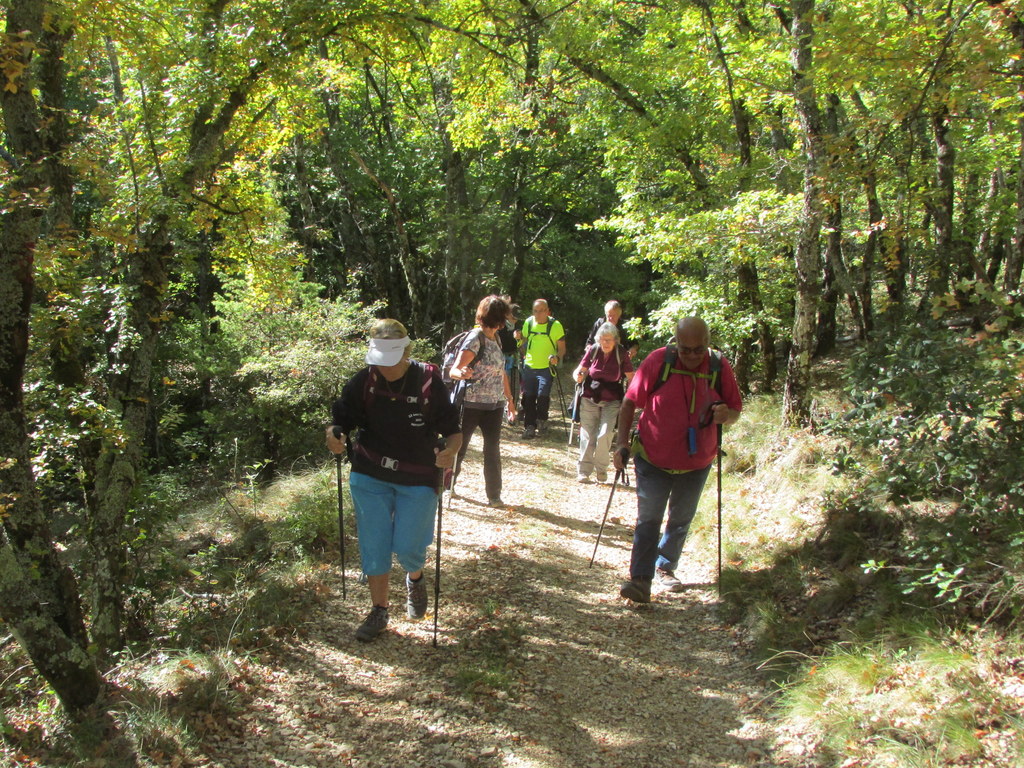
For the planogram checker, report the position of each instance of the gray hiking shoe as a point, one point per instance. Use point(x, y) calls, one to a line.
point(373, 624)
point(542, 427)
point(638, 590)
point(529, 433)
point(416, 597)
point(668, 582)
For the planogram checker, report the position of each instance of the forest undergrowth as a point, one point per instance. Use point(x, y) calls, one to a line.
point(857, 664)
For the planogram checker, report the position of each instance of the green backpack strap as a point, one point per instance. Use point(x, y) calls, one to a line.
point(714, 368)
point(528, 327)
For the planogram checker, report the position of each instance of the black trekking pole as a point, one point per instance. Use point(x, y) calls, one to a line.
point(341, 514)
point(720, 454)
point(574, 411)
point(455, 466)
point(437, 547)
point(561, 397)
point(706, 420)
point(615, 482)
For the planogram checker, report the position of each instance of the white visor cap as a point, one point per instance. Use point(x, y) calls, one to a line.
point(387, 351)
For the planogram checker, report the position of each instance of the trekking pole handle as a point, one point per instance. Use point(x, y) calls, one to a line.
point(709, 413)
point(624, 454)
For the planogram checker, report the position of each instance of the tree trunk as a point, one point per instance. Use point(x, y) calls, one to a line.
point(941, 206)
point(120, 461)
point(796, 400)
point(142, 318)
point(458, 262)
point(39, 598)
point(1015, 256)
point(876, 242)
point(988, 249)
point(750, 295)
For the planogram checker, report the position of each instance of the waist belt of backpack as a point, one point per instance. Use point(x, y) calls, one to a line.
point(394, 464)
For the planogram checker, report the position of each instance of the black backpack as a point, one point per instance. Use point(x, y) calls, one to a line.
point(714, 368)
point(450, 355)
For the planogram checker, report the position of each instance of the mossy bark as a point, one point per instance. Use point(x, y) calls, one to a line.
point(38, 594)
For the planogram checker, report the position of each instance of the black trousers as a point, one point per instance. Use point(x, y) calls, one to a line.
point(490, 427)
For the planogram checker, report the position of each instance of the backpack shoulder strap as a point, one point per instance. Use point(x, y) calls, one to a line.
point(714, 366)
point(422, 376)
point(369, 384)
point(667, 363)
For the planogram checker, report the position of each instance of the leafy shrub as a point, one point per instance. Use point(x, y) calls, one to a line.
point(938, 424)
point(259, 388)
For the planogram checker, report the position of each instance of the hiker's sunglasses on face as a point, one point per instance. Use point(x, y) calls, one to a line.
point(692, 350)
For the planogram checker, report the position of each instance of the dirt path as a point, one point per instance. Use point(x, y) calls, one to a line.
point(539, 663)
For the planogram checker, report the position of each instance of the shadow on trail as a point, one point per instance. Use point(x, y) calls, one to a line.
point(536, 663)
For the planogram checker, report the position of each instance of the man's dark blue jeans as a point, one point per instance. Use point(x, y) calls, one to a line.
point(656, 488)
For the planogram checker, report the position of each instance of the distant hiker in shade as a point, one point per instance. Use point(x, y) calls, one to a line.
point(683, 391)
point(544, 341)
point(398, 409)
point(613, 315)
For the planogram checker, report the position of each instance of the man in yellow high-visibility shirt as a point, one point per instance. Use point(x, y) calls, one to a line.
point(543, 339)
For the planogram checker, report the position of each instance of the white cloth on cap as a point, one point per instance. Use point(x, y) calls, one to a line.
point(387, 351)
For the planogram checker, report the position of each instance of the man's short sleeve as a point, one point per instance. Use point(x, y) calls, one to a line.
point(640, 385)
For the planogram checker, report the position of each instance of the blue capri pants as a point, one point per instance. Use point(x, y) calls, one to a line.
point(392, 518)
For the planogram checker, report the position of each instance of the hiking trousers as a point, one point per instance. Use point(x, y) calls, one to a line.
point(537, 384)
point(656, 488)
point(489, 422)
point(597, 427)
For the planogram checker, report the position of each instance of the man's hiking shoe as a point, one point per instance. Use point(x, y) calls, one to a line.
point(583, 479)
point(668, 582)
point(601, 477)
point(373, 624)
point(542, 427)
point(495, 502)
point(416, 597)
point(529, 433)
point(638, 590)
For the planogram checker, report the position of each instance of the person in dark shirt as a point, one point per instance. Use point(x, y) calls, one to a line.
point(397, 409)
point(613, 315)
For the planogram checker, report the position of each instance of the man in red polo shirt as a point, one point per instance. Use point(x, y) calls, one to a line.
point(676, 444)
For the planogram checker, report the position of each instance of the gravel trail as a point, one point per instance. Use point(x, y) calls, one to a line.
point(539, 663)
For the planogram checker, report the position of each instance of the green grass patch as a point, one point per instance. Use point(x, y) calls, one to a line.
point(489, 655)
point(928, 698)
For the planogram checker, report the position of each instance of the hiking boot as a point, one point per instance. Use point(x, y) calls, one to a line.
point(416, 597)
point(373, 624)
point(583, 479)
point(601, 477)
point(495, 502)
point(529, 433)
point(636, 589)
point(668, 582)
point(542, 427)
